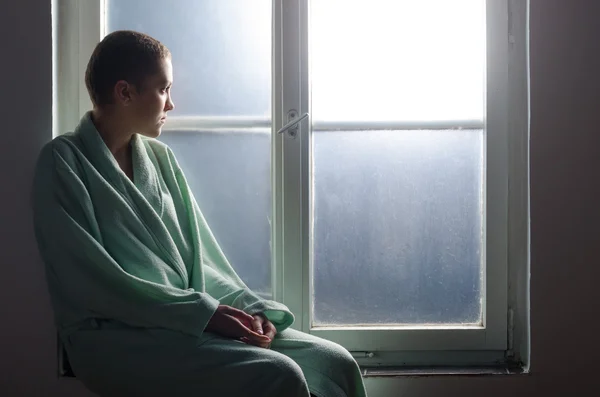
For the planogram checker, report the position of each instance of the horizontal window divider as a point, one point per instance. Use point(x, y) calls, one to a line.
point(225, 123)
point(184, 123)
point(397, 125)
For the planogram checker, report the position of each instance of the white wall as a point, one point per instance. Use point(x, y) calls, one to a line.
point(565, 188)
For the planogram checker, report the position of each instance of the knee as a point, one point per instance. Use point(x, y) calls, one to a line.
point(287, 373)
point(340, 358)
point(342, 367)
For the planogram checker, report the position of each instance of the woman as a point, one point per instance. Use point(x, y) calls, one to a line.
point(145, 301)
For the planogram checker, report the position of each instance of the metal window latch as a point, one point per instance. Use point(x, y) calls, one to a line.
point(292, 124)
point(362, 354)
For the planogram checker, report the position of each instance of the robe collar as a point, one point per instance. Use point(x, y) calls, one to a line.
point(145, 179)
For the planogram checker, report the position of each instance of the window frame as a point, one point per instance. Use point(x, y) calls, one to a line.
point(80, 25)
point(294, 174)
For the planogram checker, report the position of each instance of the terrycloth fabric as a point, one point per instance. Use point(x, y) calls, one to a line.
point(139, 259)
point(118, 361)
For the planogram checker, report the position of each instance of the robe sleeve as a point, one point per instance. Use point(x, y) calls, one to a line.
point(244, 299)
point(223, 283)
point(220, 279)
point(84, 273)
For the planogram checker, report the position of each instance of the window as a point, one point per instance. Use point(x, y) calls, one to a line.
point(222, 139)
point(384, 219)
point(397, 162)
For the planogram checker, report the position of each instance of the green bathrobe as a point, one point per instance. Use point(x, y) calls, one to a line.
point(135, 274)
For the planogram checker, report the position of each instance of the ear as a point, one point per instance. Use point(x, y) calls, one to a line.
point(123, 92)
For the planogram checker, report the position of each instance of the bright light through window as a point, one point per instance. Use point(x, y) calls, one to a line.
point(401, 60)
point(397, 213)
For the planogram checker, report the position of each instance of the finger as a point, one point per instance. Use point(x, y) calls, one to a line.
point(255, 337)
point(239, 314)
point(248, 324)
point(263, 344)
point(257, 324)
point(248, 332)
point(269, 326)
point(240, 319)
point(238, 329)
point(270, 331)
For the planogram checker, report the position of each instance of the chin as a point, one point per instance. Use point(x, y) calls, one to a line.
point(152, 133)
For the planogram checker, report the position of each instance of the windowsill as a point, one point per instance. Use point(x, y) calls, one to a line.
point(415, 372)
point(411, 371)
point(393, 372)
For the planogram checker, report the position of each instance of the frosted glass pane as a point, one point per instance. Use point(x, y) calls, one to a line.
point(229, 174)
point(221, 51)
point(397, 227)
point(402, 60)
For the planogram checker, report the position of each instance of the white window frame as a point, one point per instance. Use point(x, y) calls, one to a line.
point(81, 24)
point(294, 172)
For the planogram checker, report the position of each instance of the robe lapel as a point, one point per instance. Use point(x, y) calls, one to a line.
point(144, 175)
point(143, 194)
point(99, 154)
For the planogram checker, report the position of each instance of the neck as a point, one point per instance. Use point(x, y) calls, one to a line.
point(115, 135)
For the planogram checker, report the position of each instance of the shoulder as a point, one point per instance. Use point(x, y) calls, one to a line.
point(63, 146)
point(60, 156)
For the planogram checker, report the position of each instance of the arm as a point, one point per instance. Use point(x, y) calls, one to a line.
point(222, 282)
point(82, 273)
point(220, 279)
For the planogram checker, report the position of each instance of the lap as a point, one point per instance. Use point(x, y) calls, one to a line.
point(328, 367)
point(130, 362)
point(127, 361)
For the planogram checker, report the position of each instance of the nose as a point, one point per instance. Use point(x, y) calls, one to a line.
point(169, 105)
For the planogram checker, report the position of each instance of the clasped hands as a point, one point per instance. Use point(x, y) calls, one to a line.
point(254, 330)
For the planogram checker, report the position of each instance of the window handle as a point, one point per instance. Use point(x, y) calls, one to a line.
point(292, 123)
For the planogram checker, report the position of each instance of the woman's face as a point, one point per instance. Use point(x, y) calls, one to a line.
point(150, 104)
